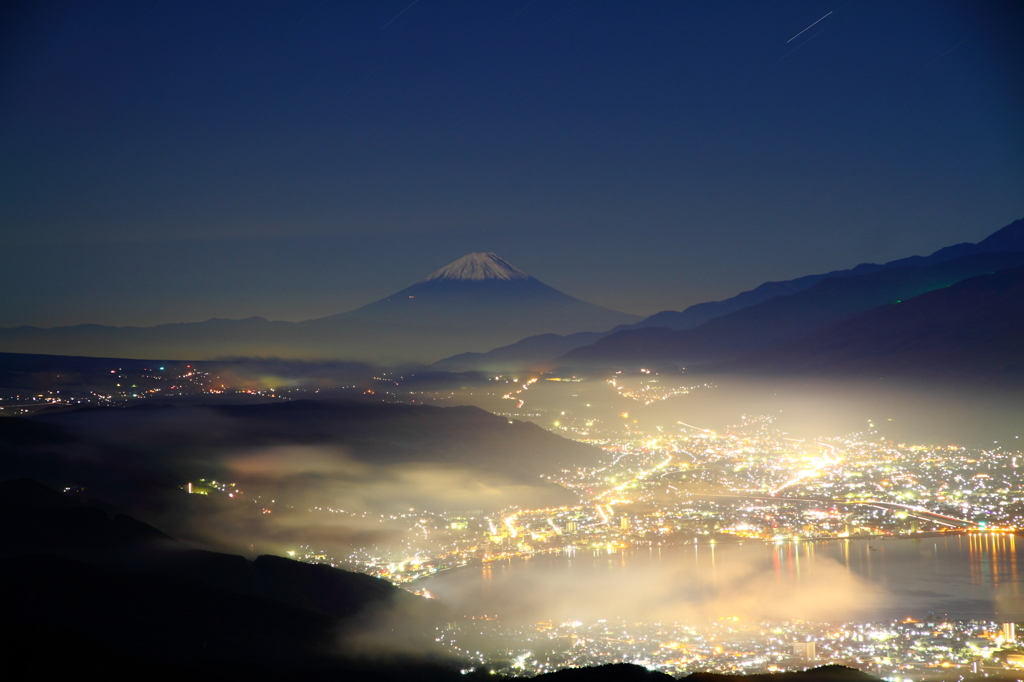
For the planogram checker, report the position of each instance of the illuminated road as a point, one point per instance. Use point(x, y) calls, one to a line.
point(890, 506)
point(636, 479)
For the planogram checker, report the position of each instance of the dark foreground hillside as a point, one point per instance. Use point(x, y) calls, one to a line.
point(625, 672)
point(84, 591)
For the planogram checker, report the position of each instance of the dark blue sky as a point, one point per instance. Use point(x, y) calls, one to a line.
point(173, 161)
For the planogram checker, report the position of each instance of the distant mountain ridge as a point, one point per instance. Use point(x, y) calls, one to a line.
point(785, 318)
point(548, 351)
point(479, 301)
point(971, 331)
point(533, 352)
point(1009, 238)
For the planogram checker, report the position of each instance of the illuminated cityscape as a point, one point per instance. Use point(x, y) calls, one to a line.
point(701, 487)
point(684, 485)
point(664, 486)
point(688, 485)
point(894, 650)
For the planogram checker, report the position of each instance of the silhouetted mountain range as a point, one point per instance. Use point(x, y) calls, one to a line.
point(784, 318)
point(478, 302)
point(481, 301)
point(970, 331)
point(546, 351)
point(761, 319)
point(1009, 238)
point(529, 353)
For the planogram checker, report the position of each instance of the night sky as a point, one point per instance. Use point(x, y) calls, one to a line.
point(173, 161)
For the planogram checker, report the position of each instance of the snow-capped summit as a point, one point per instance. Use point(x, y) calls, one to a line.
point(479, 266)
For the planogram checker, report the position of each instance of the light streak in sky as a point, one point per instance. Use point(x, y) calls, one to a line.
point(936, 59)
point(805, 30)
point(406, 10)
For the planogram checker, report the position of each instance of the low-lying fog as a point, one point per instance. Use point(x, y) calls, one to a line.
point(903, 412)
point(661, 585)
point(332, 477)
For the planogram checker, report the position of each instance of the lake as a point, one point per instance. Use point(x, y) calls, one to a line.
point(961, 575)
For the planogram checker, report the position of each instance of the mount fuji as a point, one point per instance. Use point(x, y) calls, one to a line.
point(484, 289)
point(476, 303)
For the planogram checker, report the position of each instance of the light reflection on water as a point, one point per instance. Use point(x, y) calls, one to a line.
point(965, 576)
